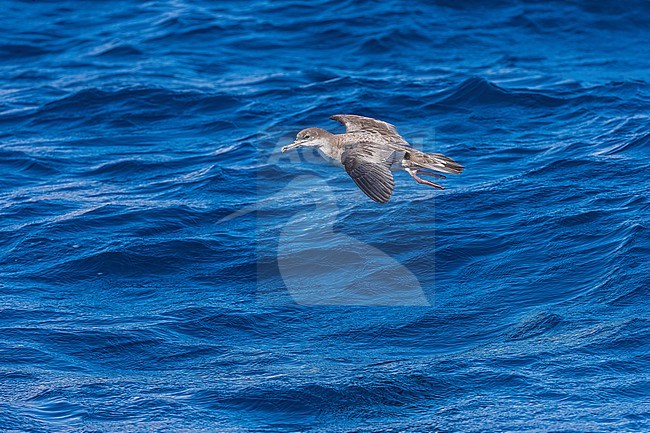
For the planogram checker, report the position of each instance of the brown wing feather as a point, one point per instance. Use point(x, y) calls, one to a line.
point(372, 175)
point(361, 124)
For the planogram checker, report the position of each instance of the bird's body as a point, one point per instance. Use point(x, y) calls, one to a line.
point(369, 150)
point(339, 143)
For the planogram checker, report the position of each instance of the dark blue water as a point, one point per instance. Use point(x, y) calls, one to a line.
point(129, 130)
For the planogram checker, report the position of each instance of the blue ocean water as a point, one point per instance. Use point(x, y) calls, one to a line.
point(132, 299)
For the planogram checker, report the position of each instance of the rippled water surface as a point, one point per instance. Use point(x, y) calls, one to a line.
point(130, 130)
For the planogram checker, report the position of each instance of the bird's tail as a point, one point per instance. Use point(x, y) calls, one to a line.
point(433, 161)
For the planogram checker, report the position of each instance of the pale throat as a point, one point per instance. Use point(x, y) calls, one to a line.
point(329, 150)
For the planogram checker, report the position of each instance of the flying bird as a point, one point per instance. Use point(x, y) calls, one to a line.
point(369, 150)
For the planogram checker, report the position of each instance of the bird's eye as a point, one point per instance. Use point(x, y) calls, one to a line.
point(307, 137)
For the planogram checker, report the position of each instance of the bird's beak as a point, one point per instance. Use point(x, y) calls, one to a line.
point(293, 145)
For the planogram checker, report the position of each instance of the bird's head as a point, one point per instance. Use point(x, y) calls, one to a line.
point(310, 137)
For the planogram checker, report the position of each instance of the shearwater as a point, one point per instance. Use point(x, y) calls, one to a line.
point(369, 150)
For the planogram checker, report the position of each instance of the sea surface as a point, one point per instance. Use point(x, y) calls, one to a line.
point(165, 268)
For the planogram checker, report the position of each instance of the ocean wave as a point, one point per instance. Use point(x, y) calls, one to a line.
point(145, 207)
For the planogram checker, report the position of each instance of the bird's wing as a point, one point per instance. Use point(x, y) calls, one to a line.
point(369, 166)
point(354, 123)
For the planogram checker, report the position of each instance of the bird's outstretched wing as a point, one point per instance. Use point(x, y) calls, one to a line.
point(379, 128)
point(369, 166)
